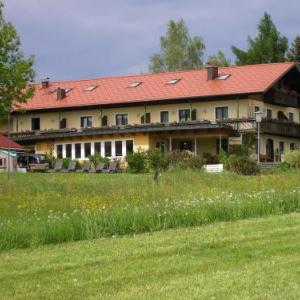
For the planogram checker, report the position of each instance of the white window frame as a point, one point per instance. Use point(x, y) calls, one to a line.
point(113, 147)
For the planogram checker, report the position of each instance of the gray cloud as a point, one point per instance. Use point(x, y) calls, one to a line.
point(77, 39)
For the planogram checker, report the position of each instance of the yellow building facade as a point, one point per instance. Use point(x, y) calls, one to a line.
point(201, 124)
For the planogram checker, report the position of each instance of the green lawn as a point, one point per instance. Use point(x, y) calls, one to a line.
point(39, 209)
point(249, 259)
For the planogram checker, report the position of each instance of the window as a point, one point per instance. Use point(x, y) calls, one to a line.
point(291, 117)
point(148, 118)
point(86, 122)
point(104, 121)
point(87, 150)
point(184, 115)
point(256, 108)
point(97, 147)
point(281, 147)
point(67, 90)
point(90, 88)
point(63, 123)
point(224, 145)
point(59, 151)
point(35, 124)
point(223, 76)
point(107, 149)
point(173, 81)
point(221, 113)
point(68, 150)
point(77, 150)
point(164, 117)
point(129, 146)
point(2, 162)
point(121, 119)
point(292, 146)
point(119, 148)
point(134, 84)
point(269, 114)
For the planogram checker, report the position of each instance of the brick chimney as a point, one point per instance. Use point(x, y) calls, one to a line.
point(45, 83)
point(212, 72)
point(61, 94)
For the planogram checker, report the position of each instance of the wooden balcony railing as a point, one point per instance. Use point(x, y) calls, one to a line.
point(282, 128)
point(283, 98)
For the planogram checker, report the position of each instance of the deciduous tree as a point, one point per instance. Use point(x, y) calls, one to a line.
point(16, 72)
point(179, 51)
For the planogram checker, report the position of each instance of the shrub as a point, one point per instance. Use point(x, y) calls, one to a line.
point(292, 158)
point(97, 158)
point(210, 159)
point(158, 160)
point(137, 162)
point(185, 159)
point(241, 165)
point(66, 162)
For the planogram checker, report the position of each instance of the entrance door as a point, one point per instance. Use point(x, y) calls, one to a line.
point(186, 146)
point(162, 146)
point(270, 150)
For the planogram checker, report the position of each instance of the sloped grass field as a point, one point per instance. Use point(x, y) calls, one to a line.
point(37, 209)
point(249, 259)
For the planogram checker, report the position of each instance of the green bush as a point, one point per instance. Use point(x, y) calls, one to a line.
point(292, 158)
point(66, 162)
point(137, 162)
point(158, 160)
point(97, 158)
point(242, 165)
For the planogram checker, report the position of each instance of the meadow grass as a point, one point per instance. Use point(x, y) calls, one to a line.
point(38, 209)
point(248, 259)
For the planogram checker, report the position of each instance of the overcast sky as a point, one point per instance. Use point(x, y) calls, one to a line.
point(73, 39)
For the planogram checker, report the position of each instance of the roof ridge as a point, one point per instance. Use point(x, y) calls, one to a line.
point(162, 73)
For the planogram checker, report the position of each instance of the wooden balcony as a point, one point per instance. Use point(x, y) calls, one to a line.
point(290, 99)
point(281, 128)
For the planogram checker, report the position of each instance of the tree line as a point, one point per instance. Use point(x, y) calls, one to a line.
point(180, 51)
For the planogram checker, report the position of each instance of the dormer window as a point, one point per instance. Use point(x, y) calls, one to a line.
point(134, 84)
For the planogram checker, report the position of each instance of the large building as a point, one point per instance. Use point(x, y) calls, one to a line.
point(199, 110)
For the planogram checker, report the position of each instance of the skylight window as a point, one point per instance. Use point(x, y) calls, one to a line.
point(51, 91)
point(90, 88)
point(223, 76)
point(134, 84)
point(173, 81)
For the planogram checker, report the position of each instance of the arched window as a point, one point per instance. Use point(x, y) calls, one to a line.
point(63, 123)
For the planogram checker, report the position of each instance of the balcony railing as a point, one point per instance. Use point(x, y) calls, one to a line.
point(282, 128)
point(283, 98)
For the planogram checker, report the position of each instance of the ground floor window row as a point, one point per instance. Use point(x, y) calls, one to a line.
point(82, 150)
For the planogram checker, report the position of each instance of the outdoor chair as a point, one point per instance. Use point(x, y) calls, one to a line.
point(57, 167)
point(99, 168)
point(71, 167)
point(112, 168)
point(86, 167)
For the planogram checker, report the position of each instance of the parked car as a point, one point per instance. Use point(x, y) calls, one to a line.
point(33, 162)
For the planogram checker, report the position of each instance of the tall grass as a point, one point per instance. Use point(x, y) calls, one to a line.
point(38, 209)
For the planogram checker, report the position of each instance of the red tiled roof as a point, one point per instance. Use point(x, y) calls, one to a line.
point(5, 143)
point(114, 90)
